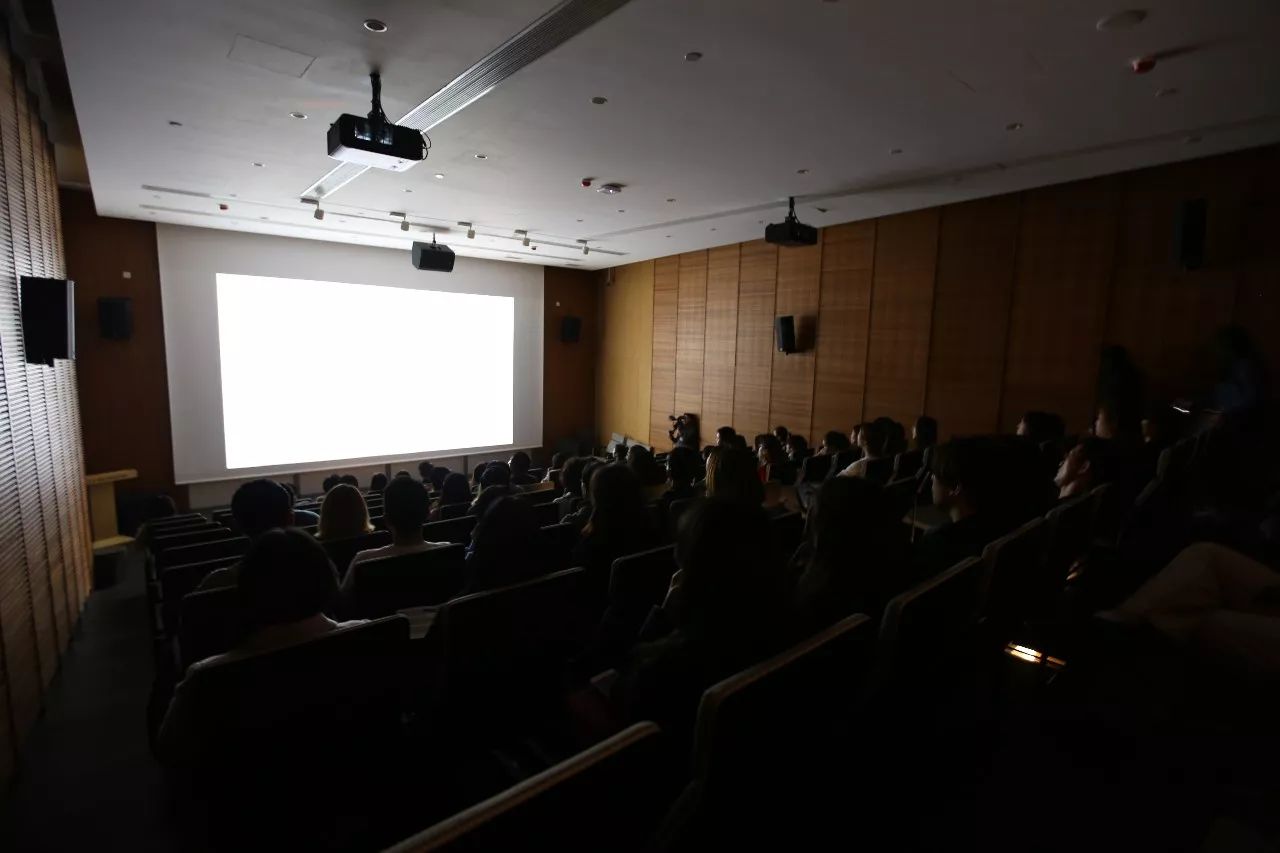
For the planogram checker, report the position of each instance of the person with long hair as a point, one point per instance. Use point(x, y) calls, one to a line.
point(507, 546)
point(343, 514)
point(455, 497)
point(619, 523)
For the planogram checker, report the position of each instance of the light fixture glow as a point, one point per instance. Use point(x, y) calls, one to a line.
point(1013, 125)
point(257, 165)
point(480, 156)
point(693, 56)
point(439, 176)
point(373, 25)
point(297, 115)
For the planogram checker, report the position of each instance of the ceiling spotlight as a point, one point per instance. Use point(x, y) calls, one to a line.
point(439, 176)
point(404, 224)
point(608, 189)
point(670, 201)
point(620, 210)
point(524, 242)
point(319, 214)
point(175, 124)
point(585, 248)
point(480, 156)
point(373, 25)
point(1013, 125)
point(297, 115)
point(1121, 20)
point(802, 171)
point(407, 189)
point(471, 233)
point(693, 56)
point(599, 99)
point(257, 165)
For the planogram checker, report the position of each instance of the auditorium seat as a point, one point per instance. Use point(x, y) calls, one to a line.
point(902, 494)
point(209, 624)
point(762, 734)
point(1070, 535)
point(560, 539)
point(675, 512)
point(176, 520)
point(546, 513)
point(383, 586)
point(449, 511)
point(165, 541)
point(1015, 585)
point(879, 471)
point(201, 552)
point(604, 798)
point(788, 530)
point(341, 551)
point(456, 530)
point(638, 583)
point(501, 651)
point(176, 582)
point(907, 464)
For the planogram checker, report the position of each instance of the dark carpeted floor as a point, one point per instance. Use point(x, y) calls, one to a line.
point(87, 779)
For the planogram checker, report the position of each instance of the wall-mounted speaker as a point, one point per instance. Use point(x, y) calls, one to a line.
point(570, 330)
point(48, 319)
point(1189, 233)
point(115, 318)
point(785, 331)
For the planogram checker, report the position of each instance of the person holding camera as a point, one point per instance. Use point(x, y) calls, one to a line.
point(684, 430)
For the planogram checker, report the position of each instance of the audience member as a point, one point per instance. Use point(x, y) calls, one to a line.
point(286, 585)
point(301, 517)
point(775, 467)
point(732, 475)
point(961, 487)
point(330, 481)
point(404, 508)
point(424, 472)
point(1040, 427)
point(487, 496)
point(507, 546)
point(438, 475)
point(455, 497)
point(739, 441)
point(924, 433)
point(683, 467)
point(650, 473)
point(895, 441)
point(553, 471)
point(582, 512)
point(477, 474)
point(1119, 393)
point(519, 465)
point(343, 514)
point(782, 434)
point(855, 554)
point(725, 435)
point(1242, 385)
point(377, 483)
point(402, 473)
point(1085, 466)
point(496, 474)
point(798, 450)
point(873, 439)
point(256, 507)
point(619, 524)
point(684, 431)
point(571, 482)
point(350, 480)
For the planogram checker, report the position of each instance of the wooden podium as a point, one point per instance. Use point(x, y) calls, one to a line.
point(102, 511)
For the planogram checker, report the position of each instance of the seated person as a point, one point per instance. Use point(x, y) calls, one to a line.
point(557, 464)
point(256, 507)
point(1040, 427)
point(402, 473)
point(329, 482)
point(404, 508)
point(782, 434)
point(571, 482)
point(855, 555)
point(1085, 466)
point(725, 435)
point(377, 483)
point(438, 475)
point(455, 497)
point(653, 479)
point(286, 585)
point(301, 517)
point(774, 464)
point(619, 523)
point(487, 496)
point(343, 514)
point(477, 474)
point(684, 464)
point(507, 546)
point(350, 480)
point(424, 472)
point(961, 487)
point(797, 450)
point(519, 465)
point(582, 509)
point(496, 474)
point(873, 439)
point(732, 474)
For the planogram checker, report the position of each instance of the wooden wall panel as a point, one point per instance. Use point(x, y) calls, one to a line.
point(901, 315)
point(848, 256)
point(691, 327)
point(976, 251)
point(662, 403)
point(626, 353)
point(1257, 306)
point(757, 282)
point(1066, 252)
point(568, 369)
point(791, 386)
point(722, 339)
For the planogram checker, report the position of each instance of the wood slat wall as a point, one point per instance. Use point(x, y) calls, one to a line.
point(691, 322)
point(45, 561)
point(972, 312)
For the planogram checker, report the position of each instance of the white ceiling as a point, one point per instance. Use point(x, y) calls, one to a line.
point(784, 85)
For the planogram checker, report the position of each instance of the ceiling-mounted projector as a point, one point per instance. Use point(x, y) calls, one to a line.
point(791, 231)
point(375, 141)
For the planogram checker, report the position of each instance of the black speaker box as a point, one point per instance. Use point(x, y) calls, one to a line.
point(570, 329)
point(1189, 232)
point(48, 319)
point(785, 328)
point(433, 257)
point(115, 318)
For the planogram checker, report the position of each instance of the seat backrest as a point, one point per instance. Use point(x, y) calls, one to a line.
point(210, 623)
point(341, 551)
point(814, 469)
point(1014, 570)
point(450, 511)
point(560, 539)
point(638, 582)
point(1070, 534)
point(880, 470)
point(456, 530)
point(177, 582)
point(546, 513)
point(201, 552)
point(787, 530)
point(675, 511)
point(300, 704)
point(605, 797)
point(755, 727)
point(907, 463)
point(503, 647)
point(843, 460)
point(383, 586)
point(210, 532)
point(926, 622)
point(902, 493)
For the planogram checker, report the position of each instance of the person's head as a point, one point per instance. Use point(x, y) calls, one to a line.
point(617, 504)
point(350, 480)
point(330, 481)
point(343, 513)
point(782, 434)
point(496, 474)
point(759, 440)
point(732, 474)
point(834, 442)
point(1042, 426)
point(587, 471)
point(402, 473)
point(1106, 424)
point(571, 475)
point(477, 473)
point(405, 504)
point(520, 462)
point(160, 506)
point(895, 436)
point(558, 460)
point(620, 453)
point(851, 516)
point(424, 471)
point(725, 436)
point(729, 578)
point(874, 439)
point(640, 461)
point(797, 448)
point(286, 576)
point(1086, 465)
point(739, 441)
point(438, 476)
point(856, 437)
point(506, 545)
point(924, 433)
point(771, 452)
point(293, 496)
point(959, 481)
point(683, 465)
point(487, 496)
point(260, 505)
point(378, 482)
point(455, 489)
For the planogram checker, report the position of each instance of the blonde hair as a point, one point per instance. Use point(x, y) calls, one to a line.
point(343, 514)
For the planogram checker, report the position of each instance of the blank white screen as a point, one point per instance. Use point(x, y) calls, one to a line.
point(303, 380)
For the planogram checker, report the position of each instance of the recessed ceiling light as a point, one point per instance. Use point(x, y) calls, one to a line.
point(407, 190)
point(802, 171)
point(1167, 92)
point(713, 229)
point(620, 210)
point(297, 115)
point(1191, 140)
point(693, 56)
point(668, 236)
point(439, 176)
point(231, 195)
point(257, 165)
point(599, 99)
point(373, 25)
point(1013, 125)
point(262, 217)
point(895, 150)
point(480, 156)
point(579, 220)
point(175, 124)
point(1121, 20)
point(670, 201)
